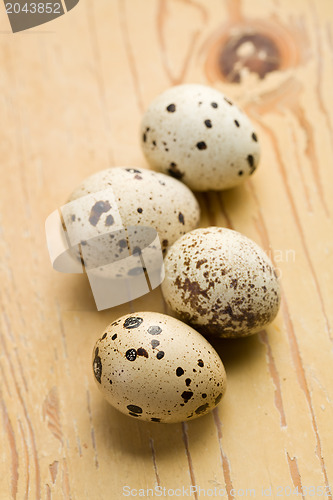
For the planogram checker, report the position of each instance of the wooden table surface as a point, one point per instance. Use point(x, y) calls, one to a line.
point(72, 95)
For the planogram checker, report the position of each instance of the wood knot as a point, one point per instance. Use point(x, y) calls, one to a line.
point(256, 52)
point(253, 48)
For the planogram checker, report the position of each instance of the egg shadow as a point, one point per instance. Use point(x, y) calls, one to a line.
point(129, 435)
point(81, 293)
point(239, 353)
point(217, 204)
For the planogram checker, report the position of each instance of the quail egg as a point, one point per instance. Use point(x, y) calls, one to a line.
point(221, 282)
point(143, 198)
point(199, 136)
point(153, 367)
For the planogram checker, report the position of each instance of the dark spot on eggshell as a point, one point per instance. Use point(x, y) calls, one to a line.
point(155, 343)
point(218, 399)
point(234, 283)
point(181, 218)
point(179, 371)
point(73, 217)
point(208, 123)
point(133, 170)
point(214, 105)
point(250, 160)
point(114, 336)
point(135, 271)
point(144, 137)
point(237, 123)
point(122, 243)
point(134, 408)
point(132, 322)
point(131, 354)
point(138, 177)
point(142, 352)
point(160, 355)
point(155, 419)
point(134, 414)
point(240, 172)
point(174, 171)
point(254, 137)
point(226, 321)
point(192, 292)
point(109, 220)
point(201, 409)
point(154, 330)
point(187, 381)
point(228, 101)
point(139, 210)
point(186, 395)
point(200, 262)
point(201, 145)
point(97, 366)
point(97, 210)
point(200, 363)
point(171, 108)
point(105, 334)
point(204, 395)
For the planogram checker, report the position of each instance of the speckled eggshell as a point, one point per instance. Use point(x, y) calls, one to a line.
point(154, 367)
point(196, 134)
point(221, 282)
point(144, 198)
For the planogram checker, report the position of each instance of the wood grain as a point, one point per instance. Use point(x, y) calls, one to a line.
point(72, 96)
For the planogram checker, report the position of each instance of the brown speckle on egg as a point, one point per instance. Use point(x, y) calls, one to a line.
point(142, 352)
point(233, 293)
